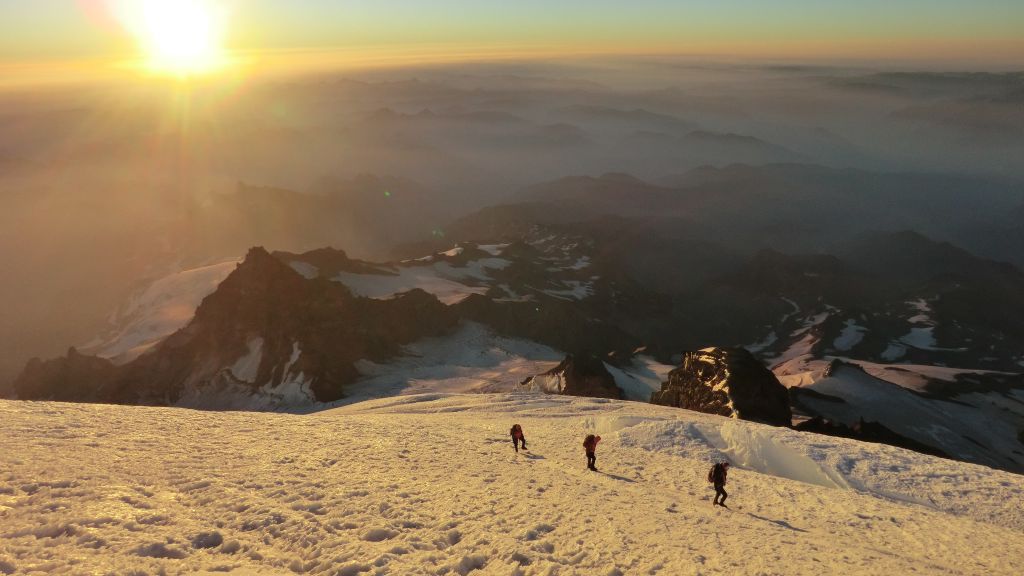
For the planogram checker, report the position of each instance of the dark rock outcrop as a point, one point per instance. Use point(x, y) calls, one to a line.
point(72, 378)
point(329, 262)
point(577, 375)
point(560, 324)
point(729, 382)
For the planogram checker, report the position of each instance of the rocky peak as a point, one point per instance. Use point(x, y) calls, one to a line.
point(577, 375)
point(837, 364)
point(259, 285)
point(267, 334)
point(729, 382)
point(75, 377)
point(326, 263)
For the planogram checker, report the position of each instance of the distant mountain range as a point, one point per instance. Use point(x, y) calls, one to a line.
point(558, 294)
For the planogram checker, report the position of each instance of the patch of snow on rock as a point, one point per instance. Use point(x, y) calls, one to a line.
point(446, 282)
point(306, 269)
point(921, 338)
point(575, 290)
point(764, 343)
point(294, 391)
point(851, 335)
point(581, 263)
point(247, 367)
point(894, 351)
point(493, 249)
point(423, 277)
point(642, 377)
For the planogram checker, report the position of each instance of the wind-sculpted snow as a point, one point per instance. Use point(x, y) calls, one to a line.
point(762, 450)
point(429, 484)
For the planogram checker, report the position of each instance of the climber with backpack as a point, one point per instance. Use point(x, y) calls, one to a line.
point(590, 445)
point(517, 436)
point(717, 476)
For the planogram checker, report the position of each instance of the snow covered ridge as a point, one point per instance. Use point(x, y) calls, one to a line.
point(168, 303)
point(281, 301)
point(897, 331)
point(162, 308)
point(429, 484)
point(302, 332)
point(265, 338)
point(451, 275)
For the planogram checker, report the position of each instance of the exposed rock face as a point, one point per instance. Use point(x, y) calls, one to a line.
point(557, 323)
point(75, 377)
point(577, 375)
point(266, 331)
point(729, 382)
point(326, 263)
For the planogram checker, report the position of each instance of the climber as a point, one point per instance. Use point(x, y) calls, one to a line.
point(517, 436)
point(717, 476)
point(590, 445)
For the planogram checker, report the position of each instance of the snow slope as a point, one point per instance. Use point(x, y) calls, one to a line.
point(474, 359)
point(158, 311)
point(808, 369)
point(640, 378)
point(449, 283)
point(978, 426)
point(429, 484)
point(977, 433)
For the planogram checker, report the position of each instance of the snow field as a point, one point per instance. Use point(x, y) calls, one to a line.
point(446, 282)
point(473, 359)
point(429, 484)
point(977, 427)
point(165, 306)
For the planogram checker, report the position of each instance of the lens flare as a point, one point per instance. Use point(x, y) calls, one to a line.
point(180, 37)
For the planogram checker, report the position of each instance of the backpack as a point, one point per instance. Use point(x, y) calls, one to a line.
point(589, 441)
point(713, 473)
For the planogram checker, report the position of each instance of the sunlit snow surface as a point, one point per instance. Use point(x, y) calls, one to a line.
point(429, 484)
point(155, 313)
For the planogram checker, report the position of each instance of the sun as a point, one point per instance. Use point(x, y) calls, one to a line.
point(180, 37)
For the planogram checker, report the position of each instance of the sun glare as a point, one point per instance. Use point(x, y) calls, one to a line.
point(180, 37)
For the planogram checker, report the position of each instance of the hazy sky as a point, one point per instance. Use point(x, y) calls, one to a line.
point(962, 30)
